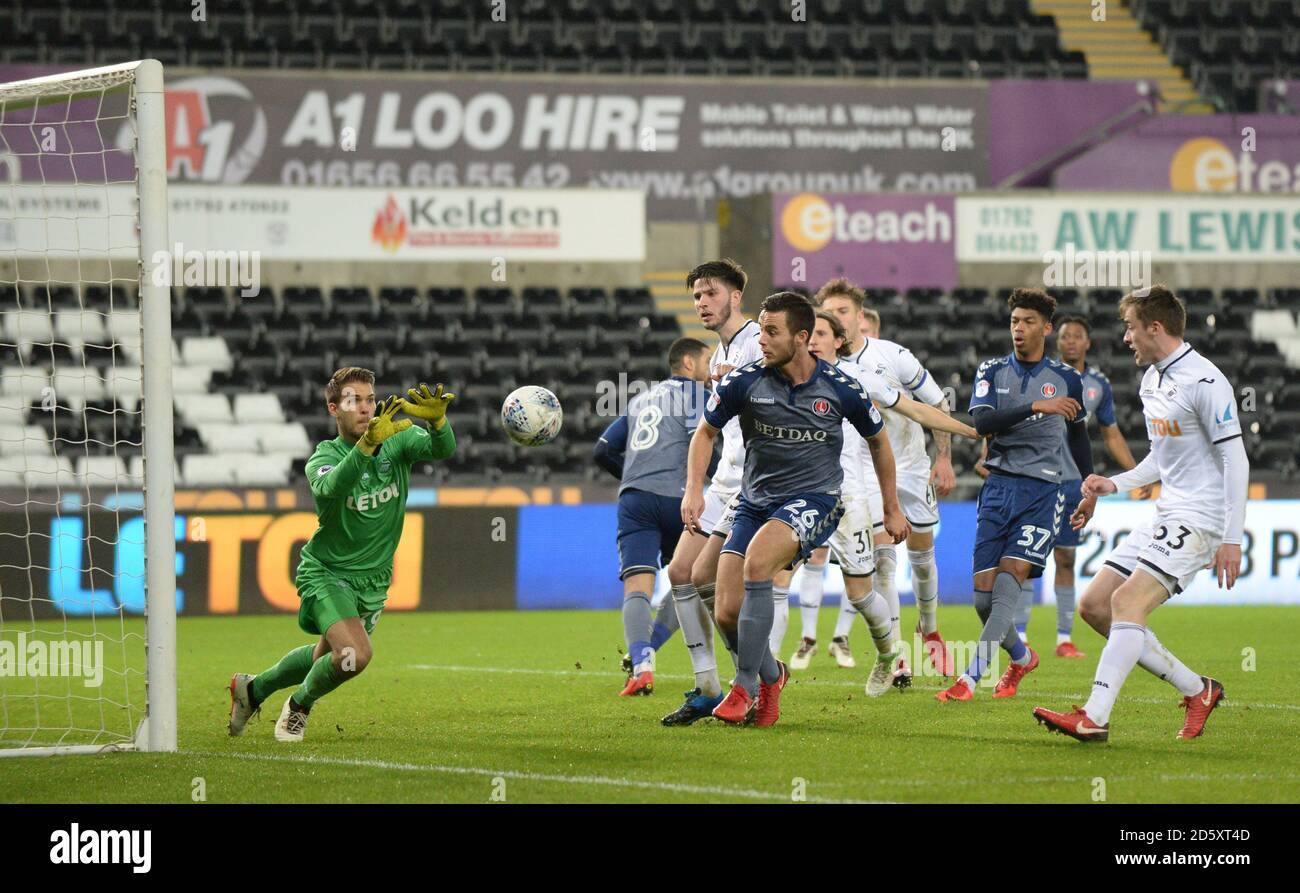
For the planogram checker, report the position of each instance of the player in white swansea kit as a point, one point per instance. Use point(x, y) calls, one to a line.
point(718, 289)
point(851, 543)
point(918, 484)
point(1198, 457)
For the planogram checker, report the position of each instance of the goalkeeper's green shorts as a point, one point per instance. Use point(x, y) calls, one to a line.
point(327, 600)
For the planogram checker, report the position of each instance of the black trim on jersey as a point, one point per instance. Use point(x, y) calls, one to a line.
point(726, 348)
point(865, 342)
point(1226, 439)
point(895, 403)
point(1160, 373)
point(1115, 567)
point(1156, 567)
point(856, 576)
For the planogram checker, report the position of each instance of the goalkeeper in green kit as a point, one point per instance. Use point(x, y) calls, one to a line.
point(359, 481)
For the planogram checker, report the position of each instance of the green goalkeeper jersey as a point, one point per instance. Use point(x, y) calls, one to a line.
point(361, 502)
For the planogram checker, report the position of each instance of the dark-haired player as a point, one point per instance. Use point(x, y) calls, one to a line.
point(1073, 339)
point(1198, 458)
point(1032, 408)
point(791, 407)
point(718, 287)
point(646, 450)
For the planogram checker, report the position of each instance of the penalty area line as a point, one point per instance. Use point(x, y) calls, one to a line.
point(580, 780)
point(1228, 703)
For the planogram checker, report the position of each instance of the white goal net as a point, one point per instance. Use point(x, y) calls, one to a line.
point(87, 536)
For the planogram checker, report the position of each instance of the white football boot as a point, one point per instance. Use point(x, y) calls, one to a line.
point(241, 703)
point(842, 653)
point(292, 724)
point(803, 657)
point(881, 679)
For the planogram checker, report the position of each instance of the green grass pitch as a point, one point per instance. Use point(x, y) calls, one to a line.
point(523, 706)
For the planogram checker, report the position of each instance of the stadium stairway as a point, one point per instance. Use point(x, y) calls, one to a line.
point(1117, 48)
point(671, 298)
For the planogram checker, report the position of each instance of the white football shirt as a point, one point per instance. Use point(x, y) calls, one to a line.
point(855, 456)
point(1190, 406)
point(741, 350)
point(902, 371)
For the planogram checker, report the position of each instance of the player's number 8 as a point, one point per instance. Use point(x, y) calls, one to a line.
point(646, 432)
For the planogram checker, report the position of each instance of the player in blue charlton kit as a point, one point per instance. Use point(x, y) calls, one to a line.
point(1032, 408)
point(1073, 338)
point(646, 450)
point(791, 407)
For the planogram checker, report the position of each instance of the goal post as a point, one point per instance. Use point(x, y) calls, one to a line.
point(83, 226)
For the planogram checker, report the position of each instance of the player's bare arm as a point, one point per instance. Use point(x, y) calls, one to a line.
point(942, 476)
point(1118, 449)
point(932, 417)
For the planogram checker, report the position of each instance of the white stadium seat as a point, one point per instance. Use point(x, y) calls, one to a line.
point(13, 412)
point(288, 439)
point(75, 388)
point(124, 386)
point(253, 408)
point(220, 438)
point(262, 471)
point(48, 472)
point(124, 328)
point(190, 380)
point(209, 471)
point(101, 471)
point(25, 382)
point(23, 327)
point(77, 327)
point(209, 352)
point(197, 409)
point(29, 440)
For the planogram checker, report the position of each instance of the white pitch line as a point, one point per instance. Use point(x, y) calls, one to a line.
point(666, 786)
point(532, 671)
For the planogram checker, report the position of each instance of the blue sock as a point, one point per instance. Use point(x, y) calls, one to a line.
point(1018, 650)
point(659, 634)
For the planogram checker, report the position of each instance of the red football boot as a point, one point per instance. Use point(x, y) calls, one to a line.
point(1067, 649)
point(769, 698)
point(737, 708)
point(640, 684)
point(1075, 724)
point(1011, 678)
point(1199, 707)
point(959, 691)
point(938, 653)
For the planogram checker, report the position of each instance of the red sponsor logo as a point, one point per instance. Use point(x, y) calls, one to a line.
point(1049, 390)
point(1092, 393)
point(389, 230)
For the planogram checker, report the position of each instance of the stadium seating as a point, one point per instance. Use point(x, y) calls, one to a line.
point(254, 423)
point(1226, 47)
point(900, 38)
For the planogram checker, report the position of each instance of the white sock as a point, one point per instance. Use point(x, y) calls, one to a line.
point(1062, 638)
point(883, 581)
point(780, 618)
point(697, 633)
point(811, 588)
point(925, 585)
point(875, 610)
point(1118, 659)
point(1159, 661)
point(844, 622)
